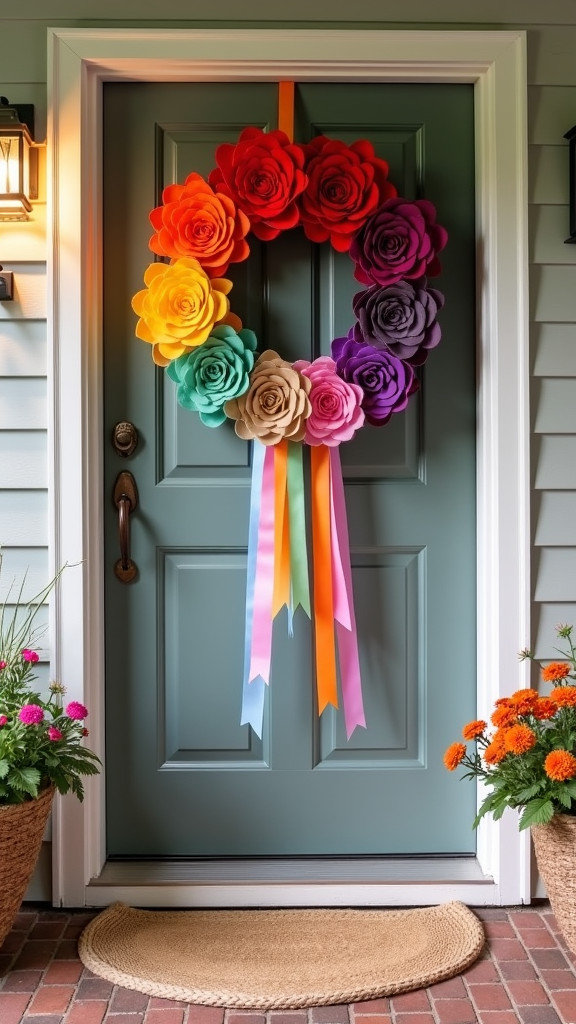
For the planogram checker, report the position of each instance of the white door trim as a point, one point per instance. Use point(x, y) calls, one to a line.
point(79, 62)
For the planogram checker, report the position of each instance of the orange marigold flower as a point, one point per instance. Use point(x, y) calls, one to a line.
point(564, 696)
point(496, 750)
point(519, 738)
point(560, 765)
point(544, 708)
point(504, 715)
point(523, 701)
point(454, 755)
point(555, 670)
point(473, 729)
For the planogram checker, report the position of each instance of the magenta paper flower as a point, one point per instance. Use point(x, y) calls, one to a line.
point(30, 656)
point(3, 720)
point(76, 710)
point(400, 240)
point(31, 714)
point(336, 404)
point(54, 733)
point(386, 381)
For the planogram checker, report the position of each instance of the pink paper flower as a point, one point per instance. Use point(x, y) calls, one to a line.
point(31, 714)
point(76, 710)
point(54, 733)
point(30, 656)
point(336, 404)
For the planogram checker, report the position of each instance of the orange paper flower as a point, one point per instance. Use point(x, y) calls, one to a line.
point(560, 765)
point(454, 755)
point(179, 308)
point(473, 729)
point(555, 670)
point(196, 222)
point(518, 739)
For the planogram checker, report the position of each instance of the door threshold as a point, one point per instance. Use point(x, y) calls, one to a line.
point(293, 882)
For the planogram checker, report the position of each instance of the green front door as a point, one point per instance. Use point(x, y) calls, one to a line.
point(184, 778)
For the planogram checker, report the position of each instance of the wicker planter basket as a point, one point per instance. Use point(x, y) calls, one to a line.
point(555, 848)
point(21, 831)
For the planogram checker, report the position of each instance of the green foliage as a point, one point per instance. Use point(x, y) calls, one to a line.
point(41, 742)
point(526, 758)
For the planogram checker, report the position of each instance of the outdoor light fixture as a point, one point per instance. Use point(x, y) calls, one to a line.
point(18, 161)
point(571, 136)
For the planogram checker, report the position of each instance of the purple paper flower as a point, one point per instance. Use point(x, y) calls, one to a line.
point(76, 710)
point(400, 317)
point(387, 382)
point(336, 405)
point(400, 240)
point(31, 714)
point(30, 656)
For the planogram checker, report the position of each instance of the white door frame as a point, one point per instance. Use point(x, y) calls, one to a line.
point(80, 60)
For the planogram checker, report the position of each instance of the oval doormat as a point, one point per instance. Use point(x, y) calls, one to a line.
point(280, 959)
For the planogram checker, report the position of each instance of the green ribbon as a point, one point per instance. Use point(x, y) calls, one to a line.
point(297, 514)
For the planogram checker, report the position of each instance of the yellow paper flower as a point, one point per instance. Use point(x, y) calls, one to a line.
point(179, 307)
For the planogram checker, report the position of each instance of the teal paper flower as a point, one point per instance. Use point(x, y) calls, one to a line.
point(214, 373)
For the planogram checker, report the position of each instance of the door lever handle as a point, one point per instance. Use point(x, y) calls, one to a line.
point(126, 500)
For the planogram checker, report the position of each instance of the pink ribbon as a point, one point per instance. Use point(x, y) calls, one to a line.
point(261, 648)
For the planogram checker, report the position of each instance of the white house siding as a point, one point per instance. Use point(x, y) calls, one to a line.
point(551, 47)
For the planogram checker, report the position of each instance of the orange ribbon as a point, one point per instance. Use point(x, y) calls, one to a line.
point(326, 680)
point(286, 108)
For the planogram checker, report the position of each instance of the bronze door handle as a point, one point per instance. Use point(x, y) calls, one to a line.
point(126, 500)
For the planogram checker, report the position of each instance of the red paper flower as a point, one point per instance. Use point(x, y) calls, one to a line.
point(195, 222)
point(346, 184)
point(263, 173)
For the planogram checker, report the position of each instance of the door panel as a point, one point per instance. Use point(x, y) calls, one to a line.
point(193, 781)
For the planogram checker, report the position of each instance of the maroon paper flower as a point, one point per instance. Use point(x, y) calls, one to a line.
point(400, 317)
point(400, 240)
point(345, 185)
point(263, 173)
point(387, 382)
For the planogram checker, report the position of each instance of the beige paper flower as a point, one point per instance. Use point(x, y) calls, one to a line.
point(276, 405)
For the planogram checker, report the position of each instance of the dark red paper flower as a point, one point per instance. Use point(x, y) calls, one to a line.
point(346, 184)
point(400, 240)
point(263, 173)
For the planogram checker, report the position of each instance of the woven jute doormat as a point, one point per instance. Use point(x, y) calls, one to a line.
point(280, 959)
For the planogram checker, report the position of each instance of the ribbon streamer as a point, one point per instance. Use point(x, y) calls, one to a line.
point(326, 679)
point(253, 692)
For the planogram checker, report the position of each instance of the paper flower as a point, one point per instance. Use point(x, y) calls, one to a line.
point(216, 372)
point(263, 174)
point(276, 405)
point(400, 317)
point(336, 412)
point(345, 185)
point(179, 307)
point(196, 222)
point(387, 382)
point(400, 240)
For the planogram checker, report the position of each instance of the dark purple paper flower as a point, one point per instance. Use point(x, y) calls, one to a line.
point(387, 382)
point(401, 239)
point(400, 317)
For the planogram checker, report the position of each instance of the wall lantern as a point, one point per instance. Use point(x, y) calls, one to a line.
point(571, 136)
point(18, 161)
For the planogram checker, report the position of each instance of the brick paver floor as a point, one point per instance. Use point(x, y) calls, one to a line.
point(525, 974)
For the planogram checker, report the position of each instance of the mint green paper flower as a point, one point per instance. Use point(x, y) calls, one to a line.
point(214, 373)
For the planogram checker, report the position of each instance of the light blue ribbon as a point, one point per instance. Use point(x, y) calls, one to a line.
point(253, 692)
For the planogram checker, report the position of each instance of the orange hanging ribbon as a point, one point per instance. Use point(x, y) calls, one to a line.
point(286, 108)
point(281, 594)
point(326, 682)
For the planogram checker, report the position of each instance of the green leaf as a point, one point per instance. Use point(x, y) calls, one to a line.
point(4, 769)
point(537, 812)
point(524, 795)
point(27, 780)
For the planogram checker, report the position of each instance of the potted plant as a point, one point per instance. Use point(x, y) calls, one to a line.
point(41, 749)
point(527, 759)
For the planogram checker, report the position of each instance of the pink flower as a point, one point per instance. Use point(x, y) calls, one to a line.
point(54, 733)
point(31, 714)
point(76, 710)
point(336, 404)
point(3, 665)
point(3, 720)
point(30, 656)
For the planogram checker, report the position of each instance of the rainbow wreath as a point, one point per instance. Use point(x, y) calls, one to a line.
point(266, 184)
